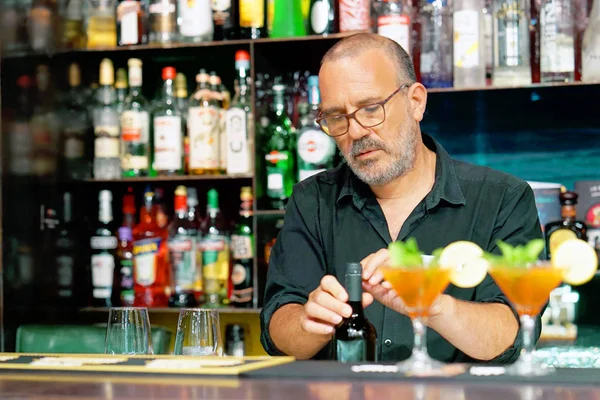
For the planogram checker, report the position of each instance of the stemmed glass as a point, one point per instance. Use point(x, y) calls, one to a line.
point(128, 331)
point(198, 333)
point(418, 287)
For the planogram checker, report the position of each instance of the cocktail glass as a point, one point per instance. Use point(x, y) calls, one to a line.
point(418, 287)
point(527, 289)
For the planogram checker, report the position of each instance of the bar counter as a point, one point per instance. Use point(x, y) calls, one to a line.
point(302, 380)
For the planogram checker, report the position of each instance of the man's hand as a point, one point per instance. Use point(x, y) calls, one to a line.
point(381, 290)
point(327, 307)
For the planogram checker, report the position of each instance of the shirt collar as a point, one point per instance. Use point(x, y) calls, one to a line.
point(446, 186)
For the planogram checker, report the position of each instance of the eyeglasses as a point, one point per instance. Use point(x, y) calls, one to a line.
point(367, 117)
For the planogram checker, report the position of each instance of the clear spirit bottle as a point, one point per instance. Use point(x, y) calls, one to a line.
point(590, 67)
point(557, 41)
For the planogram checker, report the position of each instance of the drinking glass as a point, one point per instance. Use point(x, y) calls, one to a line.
point(128, 331)
point(198, 333)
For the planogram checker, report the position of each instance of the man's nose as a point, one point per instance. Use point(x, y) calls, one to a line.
point(355, 130)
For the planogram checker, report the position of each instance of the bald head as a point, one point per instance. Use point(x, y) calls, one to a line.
point(356, 44)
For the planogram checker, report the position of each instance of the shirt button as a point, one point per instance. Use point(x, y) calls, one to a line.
point(387, 342)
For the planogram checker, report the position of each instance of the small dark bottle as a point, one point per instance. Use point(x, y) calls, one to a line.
point(131, 23)
point(355, 339)
point(567, 228)
point(226, 19)
point(234, 342)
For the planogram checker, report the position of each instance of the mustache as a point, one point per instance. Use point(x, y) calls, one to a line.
point(365, 144)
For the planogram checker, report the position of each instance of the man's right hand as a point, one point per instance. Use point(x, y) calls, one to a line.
point(327, 307)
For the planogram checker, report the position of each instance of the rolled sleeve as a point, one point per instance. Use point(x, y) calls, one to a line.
point(517, 223)
point(297, 262)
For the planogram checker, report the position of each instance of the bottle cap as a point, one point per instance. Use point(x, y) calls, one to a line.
point(121, 79)
point(105, 195)
point(246, 193)
point(168, 73)
point(213, 198)
point(242, 55)
point(74, 75)
point(568, 198)
point(192, 197)
point(313, 80)
point(134, 63)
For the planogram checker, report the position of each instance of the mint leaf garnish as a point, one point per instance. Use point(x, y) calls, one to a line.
point(519, 255)
point(405, 254)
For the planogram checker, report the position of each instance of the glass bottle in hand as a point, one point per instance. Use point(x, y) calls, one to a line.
point(355, 339)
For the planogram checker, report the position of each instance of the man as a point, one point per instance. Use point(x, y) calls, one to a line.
point(396, 183)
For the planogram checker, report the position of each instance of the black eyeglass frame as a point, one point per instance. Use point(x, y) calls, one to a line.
point(352, 115)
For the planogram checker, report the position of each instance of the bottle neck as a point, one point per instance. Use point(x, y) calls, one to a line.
point(105, 213)
point(354, 289)
point(168, 89)
point(568, 212)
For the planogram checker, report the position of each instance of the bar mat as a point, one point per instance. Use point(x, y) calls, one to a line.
point(458, 373)
point(124, 364)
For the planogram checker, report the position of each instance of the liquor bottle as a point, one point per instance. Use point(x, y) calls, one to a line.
point(162, 218)
point(168, 130)
point(242, 254)
point(323, 17)
point(73, 34)
point(287, 19)
point(216, 88)
point(182, 253)
point(239, 120)
point(107, 164)
point(121, 89)
point(45, 126)
point(203, 129)
point(67, 251)
point(123, 293)
point(101, 24)
point(47, 251)
point(234, 341)
point(469, 44)
point(568, 228)
point(394, 20)
point(195, 21)
point(194, 219)
point(128, 209)
point(355, 339)
point(355, 15)
point(316, 149)
point(436, 44)
point(557, 44)
point(214, 245)
point(488, 39)
point(151, 268)
point(41, 24)
point(75, 163)
point(181, 102)
point(279, 152)
point(252, 19)
point(103, 245)
point(163, 21)
point(135, 126)
point(511, 43)
point(20, 141)
point(225, 19)
point(590, 47)
point(131, 23)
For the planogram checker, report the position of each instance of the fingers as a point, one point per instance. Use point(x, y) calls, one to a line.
point(367, 299)
point(317, 327)
point(370, 265)
point(331, 285)
point(319, 312)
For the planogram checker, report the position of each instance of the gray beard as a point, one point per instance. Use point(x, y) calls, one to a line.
point(402, 151)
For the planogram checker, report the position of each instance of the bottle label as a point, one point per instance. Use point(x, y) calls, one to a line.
point(103, 268)
point(238, 274)
point(236, 128)
point(315, 147)
point(103, 242)
point(163, 16)
point(135, 126)
point(221, 11)
point(106, 144)
point(351, 350)
point(127, 16)
point(319, 16)
point(168, 143)
point(215, 257)
point(488, 37)
point(252, 13)
point(243, 290)
point(222, 141)
point(241, 247)
point(182, 252)
point(466, 39)
point(196, 18)
point(74, 145)
point(557, 53)
point(204, 133)
point(397, 28)
point(279, 164)
point(355, 15)
point(145, 254)
point(64, 267)
point(127, 294)
point(590, 66)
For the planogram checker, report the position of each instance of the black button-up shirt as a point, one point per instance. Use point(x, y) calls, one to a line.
point(334, 218)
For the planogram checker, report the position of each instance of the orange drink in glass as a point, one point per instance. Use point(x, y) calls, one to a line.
point(418, 287)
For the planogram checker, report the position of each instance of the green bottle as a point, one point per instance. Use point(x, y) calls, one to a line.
point(288, 19)
point(279, 151)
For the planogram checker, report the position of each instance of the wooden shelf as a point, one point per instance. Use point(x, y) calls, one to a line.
point(179, 45)
point(172, 178)
point(167, 310)
point(532, 86)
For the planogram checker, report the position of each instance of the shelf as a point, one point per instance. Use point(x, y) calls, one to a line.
point(172, 178)
point(261, 213)
point(180, 45)
point(532, 86)
point(166, 310)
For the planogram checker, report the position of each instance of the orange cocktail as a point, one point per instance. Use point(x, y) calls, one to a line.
point(417, 287)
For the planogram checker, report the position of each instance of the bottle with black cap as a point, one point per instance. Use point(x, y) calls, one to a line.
point(355, 338)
